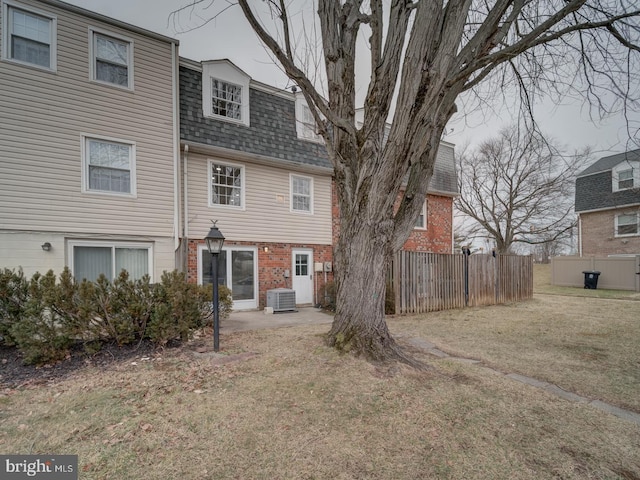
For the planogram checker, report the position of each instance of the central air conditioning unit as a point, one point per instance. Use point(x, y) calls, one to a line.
point(281, 299)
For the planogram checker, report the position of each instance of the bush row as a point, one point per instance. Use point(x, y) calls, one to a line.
point(45, 316)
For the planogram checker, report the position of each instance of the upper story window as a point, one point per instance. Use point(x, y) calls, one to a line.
point(627, 224)
point(626, 175)
point(421, 221)
point(29, 36)
point(226, 99)
point(301, 194)
point(111, 59)
point(306, 126)
point(225, 92)
point(227, 185)
point(108, 166)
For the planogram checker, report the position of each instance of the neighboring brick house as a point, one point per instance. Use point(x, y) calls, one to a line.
point(88, 143)
point(253, 162)
point(607, 201)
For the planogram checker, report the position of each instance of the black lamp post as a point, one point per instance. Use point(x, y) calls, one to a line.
point(215, 240)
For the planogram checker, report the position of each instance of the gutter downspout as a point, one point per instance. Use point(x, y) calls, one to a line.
point(579, 235)
point(185, 164)
point(176, 146)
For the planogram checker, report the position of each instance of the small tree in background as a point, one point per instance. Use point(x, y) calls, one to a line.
point(517, 188)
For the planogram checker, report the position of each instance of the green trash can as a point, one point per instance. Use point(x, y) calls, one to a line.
point(591, 279)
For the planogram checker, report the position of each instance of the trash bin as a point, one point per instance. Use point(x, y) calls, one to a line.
point(591, 279)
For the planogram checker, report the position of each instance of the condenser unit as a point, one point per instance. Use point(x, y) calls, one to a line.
point(281, 299)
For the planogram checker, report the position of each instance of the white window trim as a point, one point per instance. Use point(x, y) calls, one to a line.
point(53, 51)
point(424, 217)
point(617, 216)
point(242, 186)
point(225, 72)
point(301, 127)
point(113, 245)
point(84, 138)
point(92, 60)
point(621, 167)
point(237, 304)
point(311, 194)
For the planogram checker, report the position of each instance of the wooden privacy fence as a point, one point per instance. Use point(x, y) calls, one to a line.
point(426, 282)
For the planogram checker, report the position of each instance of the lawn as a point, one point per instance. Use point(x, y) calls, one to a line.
point(285, 406)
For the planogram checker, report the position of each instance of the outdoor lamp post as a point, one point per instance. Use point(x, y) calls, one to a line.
point(215, 240)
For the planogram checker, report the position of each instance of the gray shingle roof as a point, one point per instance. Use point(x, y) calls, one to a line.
point(607, 163)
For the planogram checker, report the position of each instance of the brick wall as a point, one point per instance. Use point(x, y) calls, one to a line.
point(438, 236)
point(598, 234)
point(273, 260)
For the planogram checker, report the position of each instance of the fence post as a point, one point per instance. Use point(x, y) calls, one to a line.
point(466, 252)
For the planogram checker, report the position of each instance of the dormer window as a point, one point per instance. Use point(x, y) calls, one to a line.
point(625, 175)
point(225, 92)
point(306, 126)
point(226, 99)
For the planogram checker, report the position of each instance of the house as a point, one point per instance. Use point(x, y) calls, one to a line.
point(607, 201)
point(88, 142)
point(253, 162)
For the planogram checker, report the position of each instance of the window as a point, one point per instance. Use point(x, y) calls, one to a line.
point(226, 99)
point(29, 36)
point(626, 175)
point(225, 92)
point(421, 222)
point(301, 194)
point(111, 59)
point(627, 224)
point(227, 185)
point(108, 166)
point(91, 259)
point(625, 179)
point(306, 126)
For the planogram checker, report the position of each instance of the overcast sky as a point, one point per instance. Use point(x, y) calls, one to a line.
point(231, 37)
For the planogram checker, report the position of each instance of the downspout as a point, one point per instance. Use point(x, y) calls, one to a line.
point(453, 247)
point(185, 165)
point(579, 235)
point(176, 146)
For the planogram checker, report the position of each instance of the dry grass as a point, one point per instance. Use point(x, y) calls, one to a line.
point(298, 410)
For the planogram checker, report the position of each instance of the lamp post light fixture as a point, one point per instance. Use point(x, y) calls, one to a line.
point(215, 240)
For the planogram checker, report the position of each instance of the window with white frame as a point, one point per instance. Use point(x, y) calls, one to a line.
point(108, 166)
point(626, 175)
point(306, 126)
point(29, 36)
point(627, 224)
point(111, 59)
point(301, 194)
point(226, 99)
point(421, 221)
point(227, 184)
point(89, 260)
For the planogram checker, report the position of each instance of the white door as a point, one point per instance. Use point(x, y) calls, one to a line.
point(302, 275)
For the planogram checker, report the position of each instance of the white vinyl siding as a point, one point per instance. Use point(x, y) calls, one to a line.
point(29, 36)
point(89, 260)
point(41, 147)
point(111, 59)
point(301, 194)
point(266, 216)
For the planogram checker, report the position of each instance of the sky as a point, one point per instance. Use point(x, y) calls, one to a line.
point(230, 36)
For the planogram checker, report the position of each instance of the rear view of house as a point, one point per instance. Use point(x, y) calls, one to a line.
point(607, 202)
point(88, 143)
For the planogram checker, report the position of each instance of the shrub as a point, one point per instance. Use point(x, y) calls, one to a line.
point(328, 300)
point(14, 289)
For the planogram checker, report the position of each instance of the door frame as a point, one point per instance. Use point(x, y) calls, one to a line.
point(308, 251)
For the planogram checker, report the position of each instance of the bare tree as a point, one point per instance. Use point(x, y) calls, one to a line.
point(423, 54)
point(518, 188)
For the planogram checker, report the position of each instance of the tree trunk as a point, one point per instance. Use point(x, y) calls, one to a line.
point(361, 260)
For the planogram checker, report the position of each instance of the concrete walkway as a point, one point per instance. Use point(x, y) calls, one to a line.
point(256, 320)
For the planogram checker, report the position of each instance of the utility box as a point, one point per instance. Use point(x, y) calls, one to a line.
point(281, 300)
point(591, 279)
